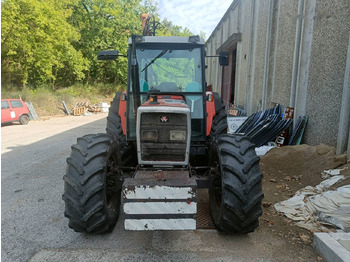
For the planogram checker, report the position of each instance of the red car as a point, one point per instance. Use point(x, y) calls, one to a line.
point(14, 110)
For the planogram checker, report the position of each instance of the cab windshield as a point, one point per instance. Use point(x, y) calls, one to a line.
point(170, 70)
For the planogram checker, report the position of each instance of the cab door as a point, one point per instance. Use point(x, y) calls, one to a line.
point(5, 111)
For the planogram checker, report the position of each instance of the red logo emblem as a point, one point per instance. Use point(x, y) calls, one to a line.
point(164, 119)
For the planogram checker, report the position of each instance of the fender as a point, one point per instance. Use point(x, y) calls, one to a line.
point(122, 111)
point(210, 112)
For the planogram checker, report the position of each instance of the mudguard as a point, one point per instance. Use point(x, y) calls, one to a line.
point(210, 113)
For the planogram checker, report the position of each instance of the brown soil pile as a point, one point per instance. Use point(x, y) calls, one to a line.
point(301, 160)
point(287, 170)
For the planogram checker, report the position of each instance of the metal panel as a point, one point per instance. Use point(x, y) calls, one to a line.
point(160, 200)
point(162, 109)
point(32, 113)
point(160, 224)
point(144, 208)
point(167, 39)
point(159, 192)
point(161, 146)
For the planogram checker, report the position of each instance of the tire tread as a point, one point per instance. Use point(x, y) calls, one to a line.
point(84, 190)
point(241, 179)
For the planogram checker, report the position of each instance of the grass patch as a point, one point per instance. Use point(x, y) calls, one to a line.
point(48, 102)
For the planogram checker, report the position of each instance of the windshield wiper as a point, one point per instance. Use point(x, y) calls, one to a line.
point(154, 59)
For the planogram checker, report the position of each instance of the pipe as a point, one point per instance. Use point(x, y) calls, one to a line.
point(297, 47)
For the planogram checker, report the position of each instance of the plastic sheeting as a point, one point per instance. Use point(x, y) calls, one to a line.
point(313, 206)
point(262, 150)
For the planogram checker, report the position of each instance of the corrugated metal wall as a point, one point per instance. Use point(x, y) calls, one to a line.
point(291, 52)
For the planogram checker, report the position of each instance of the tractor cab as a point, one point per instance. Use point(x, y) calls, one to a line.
point(167, 67)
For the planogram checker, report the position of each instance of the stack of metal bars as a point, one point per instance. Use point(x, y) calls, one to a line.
point(264, 126)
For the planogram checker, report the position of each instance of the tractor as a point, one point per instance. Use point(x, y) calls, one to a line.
point(166, 137)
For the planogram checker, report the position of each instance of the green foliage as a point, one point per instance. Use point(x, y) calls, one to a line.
point(173, 30)
point(81, 90)
point(104, 25)
point(55, 42)
point(36, 42)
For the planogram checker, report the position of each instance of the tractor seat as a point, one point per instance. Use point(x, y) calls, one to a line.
point(194, 101)
point(193, 87)
point(168, 87)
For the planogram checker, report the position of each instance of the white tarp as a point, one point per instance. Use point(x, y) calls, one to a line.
point(262, 150)
point(312, 206)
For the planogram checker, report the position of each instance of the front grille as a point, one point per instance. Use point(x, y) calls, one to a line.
point(157, 139)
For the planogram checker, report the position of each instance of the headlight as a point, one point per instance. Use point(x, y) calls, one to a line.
point(176, 135)
point(149, 135)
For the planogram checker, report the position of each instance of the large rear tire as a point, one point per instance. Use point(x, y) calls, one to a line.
point(114, 129)
point(219, 125)
point(236, 193)
point(92, 184)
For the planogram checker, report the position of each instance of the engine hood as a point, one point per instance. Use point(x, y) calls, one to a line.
point(166, 101)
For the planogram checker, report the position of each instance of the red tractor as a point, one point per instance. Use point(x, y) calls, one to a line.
point(166, 136)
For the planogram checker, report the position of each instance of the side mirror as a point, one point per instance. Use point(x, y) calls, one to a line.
point(224, 58)
point(107, 55)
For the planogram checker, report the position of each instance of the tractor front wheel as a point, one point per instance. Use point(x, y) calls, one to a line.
point(92, 184)
point(236, 192)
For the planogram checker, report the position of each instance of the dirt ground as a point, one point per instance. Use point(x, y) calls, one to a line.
point(287, 170)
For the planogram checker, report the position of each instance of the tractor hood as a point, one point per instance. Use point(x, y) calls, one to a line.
point(166, 101)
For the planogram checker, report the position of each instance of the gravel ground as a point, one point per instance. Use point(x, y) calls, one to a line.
point(34, 228)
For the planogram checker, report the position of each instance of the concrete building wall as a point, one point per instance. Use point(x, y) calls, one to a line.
point(262, 23)
point(327, 68)
point(286, 37)
point(291, 52)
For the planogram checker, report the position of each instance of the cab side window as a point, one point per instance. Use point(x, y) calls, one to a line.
point(5, 105)
point(16, 104)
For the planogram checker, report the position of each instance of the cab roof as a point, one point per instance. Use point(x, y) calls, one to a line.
point(169, 39)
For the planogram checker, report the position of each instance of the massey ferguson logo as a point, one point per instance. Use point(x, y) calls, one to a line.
point(164, 119)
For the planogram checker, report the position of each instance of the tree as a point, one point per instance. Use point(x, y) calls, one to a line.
point(36, 43)
point(57, 41)
point(173, 30)
point(103, 25)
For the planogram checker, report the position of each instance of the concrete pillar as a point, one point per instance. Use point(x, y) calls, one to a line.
point(343, 141)
point(239, 53)
point(297, 47)
point(348, 153)
point(273, 53)
point(302, 80)
point(267, 55)
point(251, 58)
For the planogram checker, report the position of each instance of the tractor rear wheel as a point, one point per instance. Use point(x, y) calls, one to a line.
point(236, 192)
point(219, 125)
point(114, 123)
point(93, 183)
